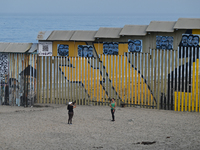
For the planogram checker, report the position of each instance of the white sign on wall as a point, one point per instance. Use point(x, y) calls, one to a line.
point(45, 48)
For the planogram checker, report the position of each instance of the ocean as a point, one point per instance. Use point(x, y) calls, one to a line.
point(24, 28)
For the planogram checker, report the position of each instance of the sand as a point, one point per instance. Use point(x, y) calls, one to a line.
point(46, 128)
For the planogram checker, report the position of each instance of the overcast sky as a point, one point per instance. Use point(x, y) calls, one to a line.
point(100, 6)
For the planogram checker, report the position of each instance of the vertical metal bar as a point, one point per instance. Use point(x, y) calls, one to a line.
point(197, 77)
point(38, 78)
point(82, 75)
point(41, 90)
point(139, 77)
point(165, 79)
point(44, 83)
point(15, 55)
point(30, 83)
point(103, 77)
point(61, 80)
point(84, 82)
point(10, 73)
point(186, 78)
point(198, 53)
point(57, 80)
point(32, 91)
point(51, 80)
point(94, 69)
point(110, 87)
point(158, 93)
point(95, 79)
point(91, 80)
point(169, 80)
point(105, 80)
point(149, 91)
point(14, 76)
point(100, 94)
point(155, 76)
point(98, 82)
point(126, 75)
point(136, 73)
point(68, 79)
point(17, 83)
point(129, 78)
point(132, 78)
point(172, 82)
point(47, 62)
point(193, 77)
point(142, 78)
point(190, 72)
point(176, 87)
point(113, 77)
point(183, 78)
point(145, 78)
point(25, 81)
point(100, 79)
point(87, 81)
point(152, 67)
point(64, 80)
point(116, 77)
point(196, 86)
point(120, 66)
point(72, 79)
point(162, 88)
point(123, 88)
point(54, 76)
point(78, 79)
point(35, 74)
point(179, 78)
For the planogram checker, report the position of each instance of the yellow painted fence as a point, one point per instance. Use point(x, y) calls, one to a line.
point(161, 79)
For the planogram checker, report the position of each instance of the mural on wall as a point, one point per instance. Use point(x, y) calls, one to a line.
point(110, 48)
point(22, 91)
point(27, 80)
point(14, 92)
point(189, 40)
point(45, 48)
point(85, 51)
point(18, 82)
point(135, 45)
point(4, 79)
point(164, 42)
point(63, 50)
point(3, 68)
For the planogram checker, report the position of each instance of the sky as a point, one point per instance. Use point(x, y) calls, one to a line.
point(100, 6)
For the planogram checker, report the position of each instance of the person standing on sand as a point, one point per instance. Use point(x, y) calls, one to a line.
point(113, 105)
point(70, 108)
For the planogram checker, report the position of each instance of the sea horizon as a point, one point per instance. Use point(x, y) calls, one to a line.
point(24, 27)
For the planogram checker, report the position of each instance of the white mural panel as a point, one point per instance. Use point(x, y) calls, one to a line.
point(45, 48)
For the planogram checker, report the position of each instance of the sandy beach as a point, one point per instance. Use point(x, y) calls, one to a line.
point(46, 128)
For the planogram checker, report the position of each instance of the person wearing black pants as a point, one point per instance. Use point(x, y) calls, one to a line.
point(70, 108)
point(113, 105)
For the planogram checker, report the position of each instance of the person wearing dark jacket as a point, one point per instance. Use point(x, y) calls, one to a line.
point(70, 108)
